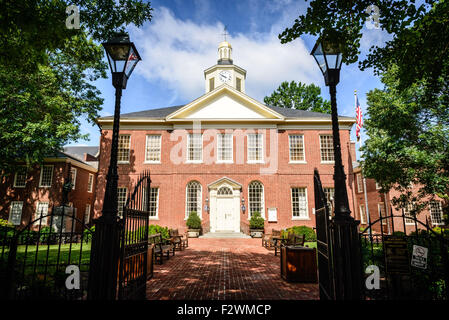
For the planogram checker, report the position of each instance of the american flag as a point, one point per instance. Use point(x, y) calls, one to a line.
point(358, 112)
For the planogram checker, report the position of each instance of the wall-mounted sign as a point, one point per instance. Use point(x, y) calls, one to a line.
point(419, 257)
point(272, 215)
point(396, 255)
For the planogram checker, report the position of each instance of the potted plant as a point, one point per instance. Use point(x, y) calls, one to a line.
point(256, 225)
point(193, 225)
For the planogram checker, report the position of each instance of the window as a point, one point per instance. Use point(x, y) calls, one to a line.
point(46, 176)
point(121, 199)
point(20, 178)
point(211, 84)
point(362, 214)
point(255, 151)
point(195, 147)
point(153, 148)
point(299, 203)
point(327, 148)
point(408, 213)
point(90, 182)
point(224, 191)
point(123, 148)
point(224, 148)
point(15, 212)
point(193, 198)
point(359, 183)
point(381, 211)
point(256, 199)
point(296, 144)
point(436, 213)
point(73, 176)
point(329, 192)
point(154, 200)
point(238, 84)
point(41, 212)
point(87, 214)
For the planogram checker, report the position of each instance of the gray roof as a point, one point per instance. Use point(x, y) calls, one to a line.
point(79, 151)
point(161, 113)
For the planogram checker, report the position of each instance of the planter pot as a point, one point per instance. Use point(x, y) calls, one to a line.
point(193, 233)
point(256, 233)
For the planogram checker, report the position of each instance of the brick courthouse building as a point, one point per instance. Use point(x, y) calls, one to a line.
point(223, 152)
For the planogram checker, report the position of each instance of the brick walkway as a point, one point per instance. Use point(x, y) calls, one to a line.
point(224, 269)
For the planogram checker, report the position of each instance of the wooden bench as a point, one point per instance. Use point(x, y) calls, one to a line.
point(162, 247)
point(180, 242)
point(291, 240)
point(267, 238)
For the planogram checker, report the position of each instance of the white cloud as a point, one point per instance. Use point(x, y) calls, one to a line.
point(175, 53)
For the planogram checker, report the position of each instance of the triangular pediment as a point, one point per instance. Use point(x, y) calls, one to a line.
point(225, 181)
point(225, 103)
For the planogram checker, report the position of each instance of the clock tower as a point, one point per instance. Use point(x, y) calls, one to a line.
point(225, 72)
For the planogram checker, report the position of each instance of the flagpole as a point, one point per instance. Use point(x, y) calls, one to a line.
point(368, 220)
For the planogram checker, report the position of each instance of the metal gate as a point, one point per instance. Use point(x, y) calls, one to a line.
point(37, 261)
point(135, 255)
point(324, 243)
point(411, 266)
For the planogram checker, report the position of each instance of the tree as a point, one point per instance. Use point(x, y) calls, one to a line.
point(298, 96)
point(420, 34)
point(408, 143)
point(47, 72)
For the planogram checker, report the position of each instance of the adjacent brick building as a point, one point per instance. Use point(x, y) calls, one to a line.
point(26, 193)
point(225, 156)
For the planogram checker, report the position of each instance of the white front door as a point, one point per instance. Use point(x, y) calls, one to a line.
point(225, 214)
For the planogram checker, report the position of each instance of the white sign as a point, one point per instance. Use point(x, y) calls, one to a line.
point(419, 257)
point(272, 215)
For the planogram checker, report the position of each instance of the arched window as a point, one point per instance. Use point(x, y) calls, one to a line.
point(256, 198)
point(193, 198)
point(224, 191)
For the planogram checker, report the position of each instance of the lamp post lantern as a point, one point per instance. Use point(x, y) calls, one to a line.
point(343, 234)
point(122, 57)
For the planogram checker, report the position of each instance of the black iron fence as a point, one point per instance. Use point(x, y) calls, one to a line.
point(47, 259)
point(410, 266)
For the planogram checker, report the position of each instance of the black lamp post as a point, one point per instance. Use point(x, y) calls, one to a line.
point(344, 231)
point(123, 57)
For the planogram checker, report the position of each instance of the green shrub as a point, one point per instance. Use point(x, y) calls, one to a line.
point(154, 228)
point(47, 235)
point(193, 221)
point(399, 234)
point(256, 221)
point(299, 231)
point(5, 223)
point(88, 233)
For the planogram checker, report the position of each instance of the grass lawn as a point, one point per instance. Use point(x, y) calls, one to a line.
point(310, 244)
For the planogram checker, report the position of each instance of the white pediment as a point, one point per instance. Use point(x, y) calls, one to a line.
point(224, 103)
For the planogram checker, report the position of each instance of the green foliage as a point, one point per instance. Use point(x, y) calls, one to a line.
point(398, 234)
point(153, 229)
point(298, 96)
point(6, 223)
point(47, 235)
point(88, 233)
point(193, 221)
point(256, 221)
point(407, 143)
point(47, 71)
point(299, 231)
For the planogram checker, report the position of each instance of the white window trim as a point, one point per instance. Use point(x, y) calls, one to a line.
point(37, 214)
point(74, 179)
point(129, 150)
point(321, 158)
point(362, 214)
point(379, 206)
point(10, 212)
point(307, 205)
point(405, 215)
point(303, 150)
point(90, 190)
point(41, 173)
point(87, 213)
point(186, 215)
point(15, 180)
point(146, 148)
point(156, 217)
point(262, 147)
point(187, 153)
point(262, 214)
point(359, 185)
point(442, 215)
point(232, 148)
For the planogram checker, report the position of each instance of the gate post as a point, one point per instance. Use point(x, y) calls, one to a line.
point(104, 259)
point(347, 258)
point(10, 269)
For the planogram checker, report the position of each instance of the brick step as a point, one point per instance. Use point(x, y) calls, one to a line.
point(225, 235)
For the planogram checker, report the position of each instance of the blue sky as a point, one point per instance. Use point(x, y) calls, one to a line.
point(181, 41)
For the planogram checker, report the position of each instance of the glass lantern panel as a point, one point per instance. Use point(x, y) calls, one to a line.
point(333, 55)
point(131, 62)
point(319, 57)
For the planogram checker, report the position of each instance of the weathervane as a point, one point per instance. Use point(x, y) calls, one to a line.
point(225, 33)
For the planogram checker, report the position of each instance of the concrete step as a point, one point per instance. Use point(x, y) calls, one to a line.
point(225, 235)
